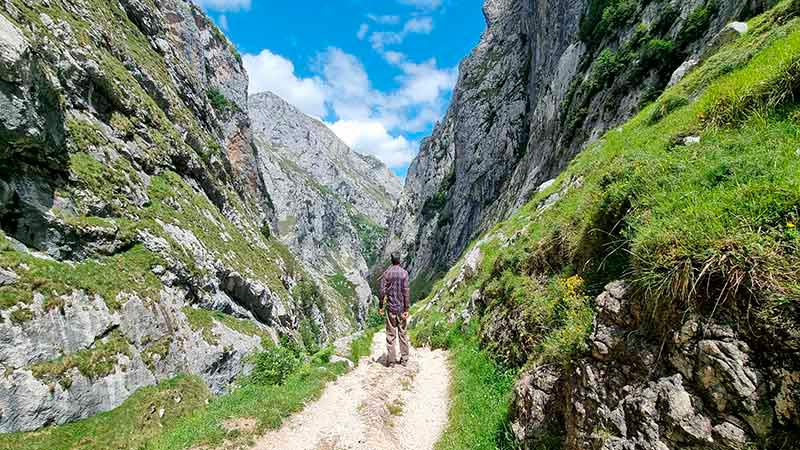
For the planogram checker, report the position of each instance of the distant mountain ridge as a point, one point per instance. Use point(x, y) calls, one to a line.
point(331, 203)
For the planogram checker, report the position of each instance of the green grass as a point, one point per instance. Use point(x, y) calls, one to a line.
point(203, 320)
point(361, 346)
point(480, 393)
point(107, 277)
point(342, 285)
point(218, 101)
point(95, 362)
point(197, 419)
point(130, 426)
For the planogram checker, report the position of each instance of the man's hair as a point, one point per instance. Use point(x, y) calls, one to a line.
point(395, 259)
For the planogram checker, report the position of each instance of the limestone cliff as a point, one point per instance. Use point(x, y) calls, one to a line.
point(331, 203)
point(135, 237)
point(548, 77)
point(648, 295)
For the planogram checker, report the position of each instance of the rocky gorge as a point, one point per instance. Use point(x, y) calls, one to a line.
point(611, 250)
point(602, 229)
point(142, 219)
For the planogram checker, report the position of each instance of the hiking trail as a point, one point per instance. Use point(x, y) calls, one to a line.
point(373, 407)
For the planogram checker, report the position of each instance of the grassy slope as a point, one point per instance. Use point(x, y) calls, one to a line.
point(710, 226)
point(197, 418)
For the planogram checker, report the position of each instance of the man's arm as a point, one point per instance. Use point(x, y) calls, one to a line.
point(404, 288)
point(382, 291)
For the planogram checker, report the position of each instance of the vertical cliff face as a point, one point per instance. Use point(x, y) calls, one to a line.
point(331, 203)
point(546, 78)
point(135, 236)
point(649, 292)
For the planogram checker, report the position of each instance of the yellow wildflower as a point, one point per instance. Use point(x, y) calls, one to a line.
point(790, 225)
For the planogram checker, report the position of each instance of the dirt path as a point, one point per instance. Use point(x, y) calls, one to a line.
point(373, 407)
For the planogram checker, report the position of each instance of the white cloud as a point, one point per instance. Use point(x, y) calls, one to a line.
point(416, 25)
point(421, 25)
point(384, 20)
point(224, 5)
point(370, 121)
point(416, 104)
point(423, 4)
point(362, 31)
point(393, 57)
point(371, 137)
point(271, 72)
point(223, 22)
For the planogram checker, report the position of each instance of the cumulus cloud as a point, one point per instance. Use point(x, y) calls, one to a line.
point(362, 31)
point(224, 5)
point(416, 25)
point(422, 25)
point(271, 72)
point(371, 137)
point(369, 120)
point(414, 106)
point(393, 57)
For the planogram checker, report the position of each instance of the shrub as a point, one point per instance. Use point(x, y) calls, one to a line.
point(656, 51)
point(309, 333)
point(697, 23)
point(619, 13)
point(218, 101)
point(667, 104)
point(273, 366)
point(607, 66)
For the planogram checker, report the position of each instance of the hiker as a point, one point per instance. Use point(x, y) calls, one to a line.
point(394, 296)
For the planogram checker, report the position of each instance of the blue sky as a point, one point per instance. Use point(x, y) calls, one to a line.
point(380, 73)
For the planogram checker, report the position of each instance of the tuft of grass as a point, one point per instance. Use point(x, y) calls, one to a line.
point(395, 407)
point(218, 101)
point(770, 81)
point(665, 105)
point(361, 346)
point(203, 320)
point(94, 362)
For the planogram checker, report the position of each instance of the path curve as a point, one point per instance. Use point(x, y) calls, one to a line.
point(373, 407)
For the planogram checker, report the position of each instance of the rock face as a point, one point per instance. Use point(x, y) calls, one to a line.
point(701, 386)
point(135, 222)
point(331, 203)
point(546, 78)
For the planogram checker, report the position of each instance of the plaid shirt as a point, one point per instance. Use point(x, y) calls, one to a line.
point(394, 285)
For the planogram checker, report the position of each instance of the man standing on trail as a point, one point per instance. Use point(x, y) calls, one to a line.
point(394, 296)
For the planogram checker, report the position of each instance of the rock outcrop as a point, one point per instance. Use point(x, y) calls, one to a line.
point(331, 203)
point(547, 77)
point(704, 385)
point(135, 222)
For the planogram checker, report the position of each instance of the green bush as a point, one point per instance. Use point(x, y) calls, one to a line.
point(697, 23)
point(619, 13)
point(374, 319)
point(607, 66)
point(656, 51)
point(273, 366)
point(218, 101)
point(605, 16)
point(309, 333)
